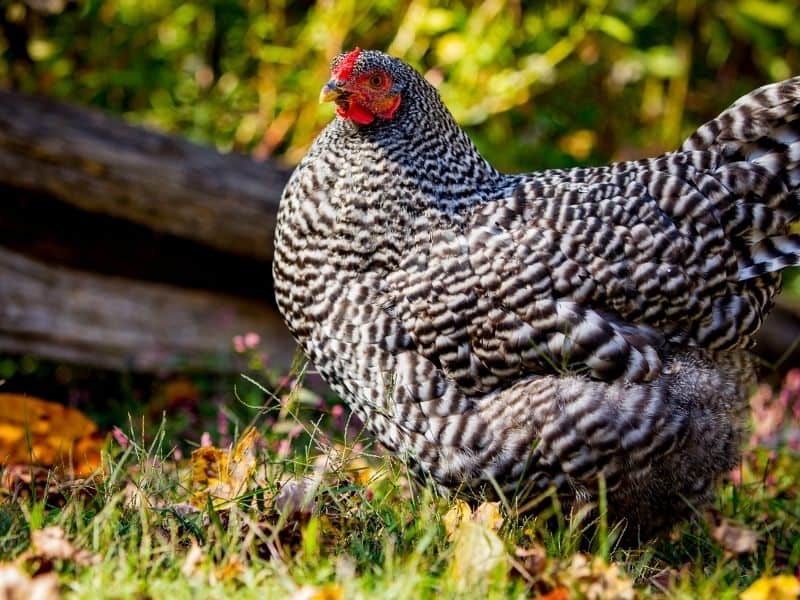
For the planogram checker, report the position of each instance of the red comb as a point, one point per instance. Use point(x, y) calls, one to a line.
point(345, 68)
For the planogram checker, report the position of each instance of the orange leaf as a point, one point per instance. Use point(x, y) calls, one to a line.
point(47, 434)
point(332, 591)
point(223, 475)
point(560, 593)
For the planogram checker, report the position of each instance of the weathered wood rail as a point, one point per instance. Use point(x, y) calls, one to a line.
point(101, 164)
point(123, 324)
point(124, 248)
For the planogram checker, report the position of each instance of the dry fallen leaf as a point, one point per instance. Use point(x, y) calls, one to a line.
point(223, 475)
point(487, 514)
point(50, 544)
point(779, 587)
point(35, 431)
point(35, 480)
point(559, 593)
point(458, 513)
point(232, 567)
point(340, 461)
point(360, 471)
point(15, 584)
point(668, 576)
point(297, 496)
point(594, 579)
point(478, 552)
point(477, 549)
point(531, 562)
point(734, 539)
point(192, 560)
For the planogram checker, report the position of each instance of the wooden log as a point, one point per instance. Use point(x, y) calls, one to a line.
point(54, 232)
point(101, 164)
point(83, 318)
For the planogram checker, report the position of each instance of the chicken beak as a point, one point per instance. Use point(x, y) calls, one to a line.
point(330, 91)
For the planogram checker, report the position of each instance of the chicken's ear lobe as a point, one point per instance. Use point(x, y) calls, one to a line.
point(392, 104)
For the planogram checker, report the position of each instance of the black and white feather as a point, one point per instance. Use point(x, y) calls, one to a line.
point(546, 328)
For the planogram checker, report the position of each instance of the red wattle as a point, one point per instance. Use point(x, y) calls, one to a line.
point(356, 113)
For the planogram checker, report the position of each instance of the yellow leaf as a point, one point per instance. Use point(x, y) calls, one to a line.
point(488, 513)
point(48, 434)
point(478, 553)
point(779, 587)
point(223, 475)
point(459, 512)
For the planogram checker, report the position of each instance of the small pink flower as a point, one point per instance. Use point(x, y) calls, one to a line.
point(205, 440)
point(238, 344)
point(284, 448)
point(222, 422)
point(120, 437)
point(358, 447)
point(177, 455)
point(337, 410)
point(252, 339)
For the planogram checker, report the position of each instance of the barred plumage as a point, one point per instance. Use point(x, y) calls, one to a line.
point(546, 328)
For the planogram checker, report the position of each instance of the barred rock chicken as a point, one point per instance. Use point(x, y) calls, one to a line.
point(540, 330)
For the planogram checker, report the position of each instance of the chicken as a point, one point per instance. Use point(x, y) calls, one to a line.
point(551, 329)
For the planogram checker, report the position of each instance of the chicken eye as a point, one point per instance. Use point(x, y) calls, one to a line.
point(376, 80)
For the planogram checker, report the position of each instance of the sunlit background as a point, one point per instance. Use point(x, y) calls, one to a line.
point(536, 84)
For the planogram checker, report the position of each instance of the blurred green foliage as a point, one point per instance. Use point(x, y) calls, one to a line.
point(538, 84)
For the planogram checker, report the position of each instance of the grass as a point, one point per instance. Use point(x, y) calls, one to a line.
point(355, 526)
